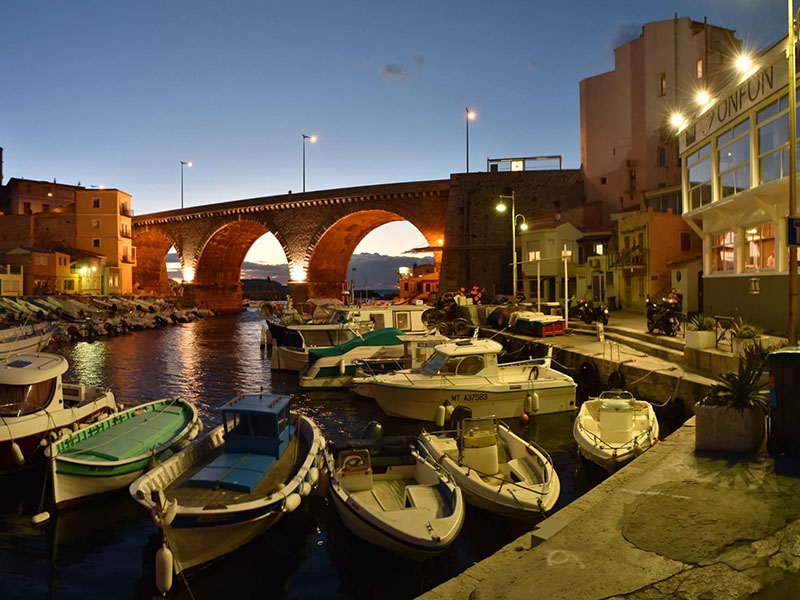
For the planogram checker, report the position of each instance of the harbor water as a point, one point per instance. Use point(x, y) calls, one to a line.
point(106, 548)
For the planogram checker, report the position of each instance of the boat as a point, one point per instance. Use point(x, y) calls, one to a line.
point(390, 495)
point(110, 454)
point(496, 469)
point(35, 403)
point(467, 372)
point(614, 428)
point(232, 484)
point(27, 338)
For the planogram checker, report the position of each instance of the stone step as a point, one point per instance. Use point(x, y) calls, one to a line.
point(675, 343)
point(654, 348)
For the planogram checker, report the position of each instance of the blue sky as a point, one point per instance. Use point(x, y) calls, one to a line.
point(117, 93)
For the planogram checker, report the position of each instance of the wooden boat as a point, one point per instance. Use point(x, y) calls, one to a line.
point(35, 403)
point(391, 496)
point(231, 485)
point(466, 372)
point(112, 453)
point(615, 428)
point(496, 469)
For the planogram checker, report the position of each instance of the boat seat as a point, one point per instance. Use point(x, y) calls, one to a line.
point(240, 472)
point(520, 470)
point(354, 471)
point(424, 496)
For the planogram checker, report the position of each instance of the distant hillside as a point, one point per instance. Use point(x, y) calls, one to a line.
point(372, 271)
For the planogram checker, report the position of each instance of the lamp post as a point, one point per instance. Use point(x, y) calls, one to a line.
point(184, 163)
point(565, 255)
point(470, 116)
point(792, 325)
point(313, 139)
point(501, 207)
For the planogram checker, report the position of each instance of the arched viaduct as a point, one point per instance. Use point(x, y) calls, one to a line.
point(318, 232)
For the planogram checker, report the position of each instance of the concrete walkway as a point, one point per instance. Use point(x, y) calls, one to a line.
point(670, 525)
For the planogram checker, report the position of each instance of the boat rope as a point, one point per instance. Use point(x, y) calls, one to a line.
point(156, 414)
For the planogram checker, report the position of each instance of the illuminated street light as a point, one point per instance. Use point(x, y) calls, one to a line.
point(744, 63)
point(502, 207)
point(184, 163)
point(677, 120)
point(470, 116)
point(702, 98)
point(313, 140)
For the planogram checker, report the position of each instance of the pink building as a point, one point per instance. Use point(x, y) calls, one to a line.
point(629, 149)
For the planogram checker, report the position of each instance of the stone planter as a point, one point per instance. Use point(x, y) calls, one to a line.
point(741, 344)
point(724, 429)
point(700, 340)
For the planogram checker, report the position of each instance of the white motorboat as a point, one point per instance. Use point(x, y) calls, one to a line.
point(291, 343)
point(466, 372)
point(615, 428)
point(34, 402)
point(110, 454)
point(231, 485)
point(391, 496)
point(496, 469)
point(27, 338)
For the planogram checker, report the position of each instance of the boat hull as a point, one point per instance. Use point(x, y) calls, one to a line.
point(612, 457)
point(422, 403)
point(287, 359)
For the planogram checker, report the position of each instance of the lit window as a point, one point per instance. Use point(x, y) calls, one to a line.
point(722, 248)
point(662, 85)
point(699, 68)
point(760, 246)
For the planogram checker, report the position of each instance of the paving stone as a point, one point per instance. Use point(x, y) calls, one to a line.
point(787, 562)
point(716, 582)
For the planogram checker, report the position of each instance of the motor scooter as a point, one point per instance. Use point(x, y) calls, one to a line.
point(663, 316)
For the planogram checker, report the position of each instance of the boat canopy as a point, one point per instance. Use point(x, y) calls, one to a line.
point(27, 369)
point(465, 347)
point(380, 337)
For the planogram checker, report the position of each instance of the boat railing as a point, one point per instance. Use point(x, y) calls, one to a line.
point(634, 440)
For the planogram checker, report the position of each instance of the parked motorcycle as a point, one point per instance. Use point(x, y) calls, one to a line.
point(587, 311)
point(663, 315)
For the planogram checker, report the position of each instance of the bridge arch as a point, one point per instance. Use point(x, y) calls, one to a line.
point(219, 265)
point(333, 245)
point(150, 274)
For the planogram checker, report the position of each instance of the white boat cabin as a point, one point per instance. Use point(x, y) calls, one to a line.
point(30, 383)
point(464, 357)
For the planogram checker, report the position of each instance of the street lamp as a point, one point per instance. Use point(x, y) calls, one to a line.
point(470, 114)
point(792, 325)
point(313, 140)
point(566, 255)
point(502, 207)
point(184, 163)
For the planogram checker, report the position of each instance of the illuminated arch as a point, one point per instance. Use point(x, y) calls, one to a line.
point(150, 272)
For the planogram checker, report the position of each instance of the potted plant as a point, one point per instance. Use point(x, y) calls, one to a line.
point(732, 418)
point(700, 332)
point(744, 335)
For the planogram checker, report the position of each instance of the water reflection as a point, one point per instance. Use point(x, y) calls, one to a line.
point(107, 548)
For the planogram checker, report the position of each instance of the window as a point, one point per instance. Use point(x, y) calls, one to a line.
point(662, 156)
point(662, 84)
point(69, 284)
point(734, 159)
point(699, 71)
point(603, 181)
point(699, 166)
point(26, 208)
point(17, 400)
point(760, 246)
point(609, 277)
point(96, 243)
point(45, 208)
point(96, 223)
point(722, 249)
point(40, 259)
point(772, 123)
point(686, 242)
point(95, 202)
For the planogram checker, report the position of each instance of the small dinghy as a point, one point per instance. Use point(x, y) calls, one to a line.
point(113, 452)
point(388, 494)
point(496, 469)
point(615, 428)
point(231, 485)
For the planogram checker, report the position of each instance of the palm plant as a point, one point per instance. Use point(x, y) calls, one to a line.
point(700, 322)
point(743, 388)
point(743, 330)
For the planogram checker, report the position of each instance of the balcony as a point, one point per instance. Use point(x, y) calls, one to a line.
point(631, 257)
point(125, 211)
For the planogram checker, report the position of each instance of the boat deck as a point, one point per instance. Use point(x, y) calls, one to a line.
point(389, 495)
point(210, 498)
point(128, 436)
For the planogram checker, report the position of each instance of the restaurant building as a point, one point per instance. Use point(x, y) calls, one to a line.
point(735, 162)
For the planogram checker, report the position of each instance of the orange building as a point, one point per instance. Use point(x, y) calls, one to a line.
point(419, 281)
point(45, 270)
point(103, 226)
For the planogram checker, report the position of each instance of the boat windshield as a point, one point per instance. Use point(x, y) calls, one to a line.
point(17, 400)
point(452, 365)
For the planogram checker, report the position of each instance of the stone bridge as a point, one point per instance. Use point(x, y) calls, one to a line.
point(318, 232)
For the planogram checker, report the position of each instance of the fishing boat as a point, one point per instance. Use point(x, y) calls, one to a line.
point(467, 372)
point(615, 428)
point(496, 469)
point(27, 338)
point(232, 484)
point(112, 453)
point(390, 495)
point(35, 403)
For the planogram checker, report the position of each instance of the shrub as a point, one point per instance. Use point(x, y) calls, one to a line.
point(743, 330)
point(700, 322)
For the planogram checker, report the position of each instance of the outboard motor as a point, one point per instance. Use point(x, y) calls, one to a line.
point(372, 431)
point(110, 329)
point(460, 413)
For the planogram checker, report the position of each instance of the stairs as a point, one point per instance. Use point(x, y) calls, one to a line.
point(661, 346)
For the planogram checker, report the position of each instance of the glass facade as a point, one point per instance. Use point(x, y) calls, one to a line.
point(723, 257)
point(734, 159)
point(760, 240)
point(699, 167)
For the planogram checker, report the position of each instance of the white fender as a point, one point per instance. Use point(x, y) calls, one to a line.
point(40, 518)
point(342, 367)
point(19, 458)
point(291, 503)
point(527, 405)
point(536, 404)
point(169, 512)
point(305, 488)
point(313, 475)
point(164, 566)
point(440, 414)
point(450, 408)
